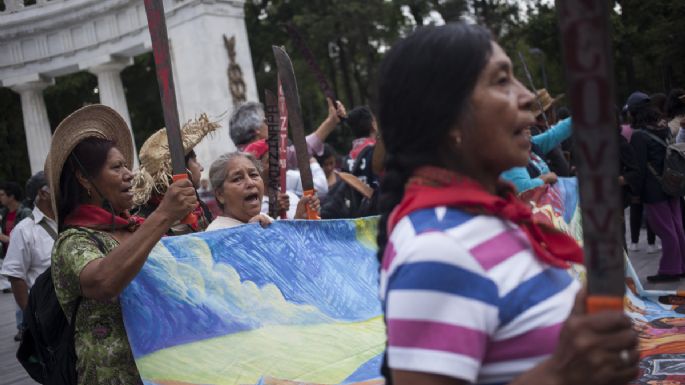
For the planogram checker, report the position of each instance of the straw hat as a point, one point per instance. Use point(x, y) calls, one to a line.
point(155, 159)
point(545, 99)
point(93, 121)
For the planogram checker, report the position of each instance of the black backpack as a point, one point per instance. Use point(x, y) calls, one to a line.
point(672, 179)
point(47, 349)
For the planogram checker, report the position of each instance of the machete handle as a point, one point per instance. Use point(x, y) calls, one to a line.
point(311, 214)
point(597, 303)
point(190, 218)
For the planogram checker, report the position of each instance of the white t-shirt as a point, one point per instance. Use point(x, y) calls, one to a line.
point(294, 200)
point(30, 248)
point(222, 222)
point(294, 183)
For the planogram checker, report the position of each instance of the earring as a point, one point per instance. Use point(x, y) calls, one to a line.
point(458, 139)
point(88, 192)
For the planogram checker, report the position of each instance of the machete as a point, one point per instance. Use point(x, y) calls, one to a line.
point(311, 62)
point(274, 129)
point(283, 140)
point(165, 78)
point(292, 100)
point(588, 64)
point(532, 87)
point(301, 45)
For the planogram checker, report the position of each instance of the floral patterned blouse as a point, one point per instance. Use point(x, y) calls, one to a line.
point(103, 354)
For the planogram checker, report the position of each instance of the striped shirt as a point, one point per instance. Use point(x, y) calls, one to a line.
point(465, 297)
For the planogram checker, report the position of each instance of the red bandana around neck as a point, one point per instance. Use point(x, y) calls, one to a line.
point(433, 186)
point(97, 218)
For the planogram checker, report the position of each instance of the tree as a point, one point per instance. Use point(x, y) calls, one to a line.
point(347, 39)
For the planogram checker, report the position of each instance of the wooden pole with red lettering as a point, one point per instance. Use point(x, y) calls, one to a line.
point(586, 47)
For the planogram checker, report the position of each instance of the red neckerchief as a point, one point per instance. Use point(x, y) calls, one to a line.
point(359, 144)
point(433, 186)
point(97, 218)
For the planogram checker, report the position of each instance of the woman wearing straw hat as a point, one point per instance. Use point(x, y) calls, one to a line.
point(101, 248)
point(154, 176)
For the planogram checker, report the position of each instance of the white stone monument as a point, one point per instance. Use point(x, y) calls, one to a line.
point(56, 37)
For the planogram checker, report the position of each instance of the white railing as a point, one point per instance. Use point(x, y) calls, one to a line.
point(20, 5)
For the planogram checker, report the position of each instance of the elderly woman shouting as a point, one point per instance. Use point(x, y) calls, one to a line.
point(101, 248)
point(239, 189)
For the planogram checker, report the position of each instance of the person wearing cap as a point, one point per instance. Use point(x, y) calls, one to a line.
point(247, 124)
point(544, 118)
point(663, 211)
point(101, 247)
point(31, 243)
point(154, 174)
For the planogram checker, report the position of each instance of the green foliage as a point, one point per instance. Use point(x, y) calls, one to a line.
point(142, 97)
point(15, 158)
point(346, 38)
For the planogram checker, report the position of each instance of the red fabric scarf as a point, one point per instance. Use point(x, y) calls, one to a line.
point(433, 186)
point(97, 218)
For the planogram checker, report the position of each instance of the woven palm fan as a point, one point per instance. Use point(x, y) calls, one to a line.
point(154, 174)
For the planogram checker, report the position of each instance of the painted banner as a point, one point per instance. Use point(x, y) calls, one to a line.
point(296, 302)
point(658, 316)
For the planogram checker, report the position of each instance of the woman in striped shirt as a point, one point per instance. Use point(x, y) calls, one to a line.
point(475, 291)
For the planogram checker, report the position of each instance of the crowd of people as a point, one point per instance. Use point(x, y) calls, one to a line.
point(473, 289)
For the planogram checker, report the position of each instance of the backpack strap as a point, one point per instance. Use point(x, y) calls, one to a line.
point(101, 247)
point(656, 138)
point(48, 229)
point(51, 232)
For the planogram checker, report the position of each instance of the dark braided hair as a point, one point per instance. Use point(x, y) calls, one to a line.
point(425, 83)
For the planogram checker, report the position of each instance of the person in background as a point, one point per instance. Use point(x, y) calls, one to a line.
point(239, 189)
point(675, 113)
point(537, 172)
point(663, 211)
point(659, 101)
point(628, 171)
point(637, 209)
point(31, 243)
point(287, 201)
point(544, 119)
point(154, 175)
point(101, 247)
point(12, 211)
point(329, 162)
point(365, 130)
point(474, 291)
point(247, 124)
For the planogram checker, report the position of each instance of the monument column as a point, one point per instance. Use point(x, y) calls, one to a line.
point(36, 123)
point(111, 91)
